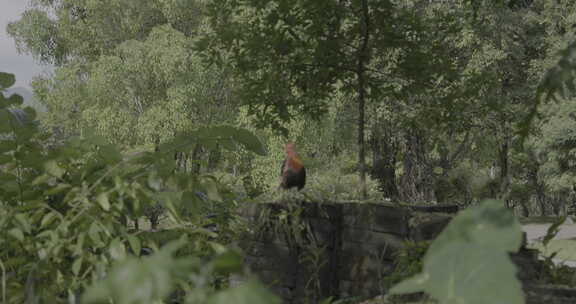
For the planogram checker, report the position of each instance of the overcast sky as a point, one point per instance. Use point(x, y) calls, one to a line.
point(23, 66)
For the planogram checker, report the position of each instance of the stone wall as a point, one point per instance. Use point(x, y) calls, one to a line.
point(307, 252)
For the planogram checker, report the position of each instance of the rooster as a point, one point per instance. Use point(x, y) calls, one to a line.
point(293, 171)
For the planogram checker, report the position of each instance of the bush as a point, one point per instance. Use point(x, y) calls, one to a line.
point(331, 185)
point(64, 215)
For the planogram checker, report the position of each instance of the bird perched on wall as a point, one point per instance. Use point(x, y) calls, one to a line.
point(293, 171)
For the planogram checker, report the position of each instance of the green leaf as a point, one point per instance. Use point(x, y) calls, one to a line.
point(42, 254)
point(33, 159)
point(131, 282)
point(250, 141)
point(59, 188)
point(30, 113)
point(228, 262)
point(12, 187)
point(103, 201)
point(110, 154)
point(7, 145)
point(6, 80)
point(94, 233)
point(16, 233)
point(462, 264)
point(23, 221)
point(191, 203)
point(79, 247)
point(95, 139)
point(41, 179)
point(76, 266)
point(154, 182)
point(170, 200)
point(7, 178)
point(211, 187)
point(117, 250)
point(173, 197)
point(5, 118)
point(223, 134)
point(251, 292)
point(15, 100)
point(553, 230)
point(139, 280)
point(54, 169)
point(490, 224)
point(134, 244)
point(47, 219)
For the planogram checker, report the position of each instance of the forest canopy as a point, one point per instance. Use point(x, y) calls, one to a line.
point(425, 101)
point(190, 103)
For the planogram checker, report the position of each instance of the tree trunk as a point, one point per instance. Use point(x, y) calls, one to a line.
point(181, 159)
point(525, 209)
point(415, 180)
point(214, 158)
point(363, 58)
point(361, 148)
point(558, 203)
point(384, 151)
point(504, 169)
point(538, 187)
point(196, 154)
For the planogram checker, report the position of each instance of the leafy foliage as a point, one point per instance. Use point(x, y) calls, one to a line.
point(553, 230)
point(559, 81)
point(6, 80)
point(461, 264)
point(151, 279)
point(407, 262)
point(336, 186)
point(453, 88)
point(66, 210)
point(142, 93)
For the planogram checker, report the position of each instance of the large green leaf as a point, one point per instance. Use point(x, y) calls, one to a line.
point(191, 203)
point(6, 80)
point(228, 262)
point(251, 292)
point(490, 225)
point(5, 121)
point(135, 244)
point(553, 230)
point(225, 134)
point(110, 154)
point(15, 100)
point(117, 249)
point(7, 145)
point(54, 169)
point(250, 141)
point(103, 201)
point(469, 262)
point(17, 233)
point(210, 185)
point(135, 281)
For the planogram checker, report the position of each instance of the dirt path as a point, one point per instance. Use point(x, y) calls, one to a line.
point(536, 231)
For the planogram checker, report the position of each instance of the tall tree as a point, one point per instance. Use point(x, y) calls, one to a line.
point(125, 68)
point(60, 30)
point(291, 57)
